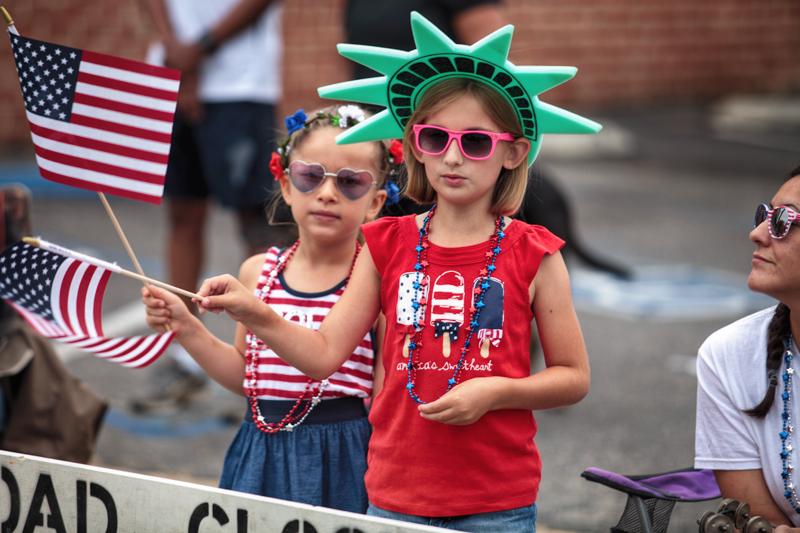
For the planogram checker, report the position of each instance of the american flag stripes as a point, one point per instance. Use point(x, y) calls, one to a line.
point(98, 122)
point(62, 299)
point(277, 380)
point(491, 335)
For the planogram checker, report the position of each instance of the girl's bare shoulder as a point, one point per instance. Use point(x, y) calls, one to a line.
point(251, 269)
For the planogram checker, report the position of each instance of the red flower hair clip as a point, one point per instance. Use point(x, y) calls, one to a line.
point(276, 166)
point(396, 151)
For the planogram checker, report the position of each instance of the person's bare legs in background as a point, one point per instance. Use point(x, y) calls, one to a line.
point(222, 138)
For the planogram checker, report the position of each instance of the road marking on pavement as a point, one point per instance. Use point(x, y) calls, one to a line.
point(676, 292)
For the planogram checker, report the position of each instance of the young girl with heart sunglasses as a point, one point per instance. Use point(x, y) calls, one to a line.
point(302, 438)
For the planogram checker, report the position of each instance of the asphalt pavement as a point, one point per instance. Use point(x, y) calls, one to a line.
point(669, 192)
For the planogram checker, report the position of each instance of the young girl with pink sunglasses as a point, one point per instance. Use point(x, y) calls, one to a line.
point(453, 428)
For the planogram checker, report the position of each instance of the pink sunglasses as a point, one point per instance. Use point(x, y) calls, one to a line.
point(477, 145)
point(781, 219)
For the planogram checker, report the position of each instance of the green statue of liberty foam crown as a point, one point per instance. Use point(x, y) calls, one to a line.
point(407, 75)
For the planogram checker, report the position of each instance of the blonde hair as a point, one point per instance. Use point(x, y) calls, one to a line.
point(510, 187)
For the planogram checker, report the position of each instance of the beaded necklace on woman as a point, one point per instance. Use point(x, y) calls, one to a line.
point(310, 396)
point(787, 430)
point(420, 267)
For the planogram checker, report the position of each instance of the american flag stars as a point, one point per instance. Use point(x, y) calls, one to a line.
point(33, 269)
point(49, 73)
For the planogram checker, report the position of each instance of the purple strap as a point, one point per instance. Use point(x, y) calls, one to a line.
point(688, 485)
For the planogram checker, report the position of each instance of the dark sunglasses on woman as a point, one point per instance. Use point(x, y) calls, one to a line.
point(353, 184)
point(780, 219)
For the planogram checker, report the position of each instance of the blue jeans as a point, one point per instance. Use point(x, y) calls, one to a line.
point(519, 520)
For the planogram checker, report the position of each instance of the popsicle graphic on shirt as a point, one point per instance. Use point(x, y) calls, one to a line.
point(447, 308)
point(407, 314)
point(490, 321)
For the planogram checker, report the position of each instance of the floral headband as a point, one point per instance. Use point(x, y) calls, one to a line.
point(345, 116)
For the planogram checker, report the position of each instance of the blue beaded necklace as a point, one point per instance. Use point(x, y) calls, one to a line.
point(787, 430)
point(420, 268)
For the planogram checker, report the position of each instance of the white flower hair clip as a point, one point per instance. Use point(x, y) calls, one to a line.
point(348, 113)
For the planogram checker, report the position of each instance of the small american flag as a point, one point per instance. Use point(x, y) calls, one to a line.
point(492, 335)
point(98, 122)
point(62, 299)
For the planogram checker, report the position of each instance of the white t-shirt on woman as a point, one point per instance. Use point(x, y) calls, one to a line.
point(731, 377)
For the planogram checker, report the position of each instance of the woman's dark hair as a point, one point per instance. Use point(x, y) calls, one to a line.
point(778, 331)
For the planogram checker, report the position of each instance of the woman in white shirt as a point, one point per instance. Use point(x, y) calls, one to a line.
point(748, 391)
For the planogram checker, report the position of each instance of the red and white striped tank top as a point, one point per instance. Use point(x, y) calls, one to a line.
point(276, 380)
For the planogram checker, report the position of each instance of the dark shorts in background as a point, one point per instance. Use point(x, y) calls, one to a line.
point(225, 156)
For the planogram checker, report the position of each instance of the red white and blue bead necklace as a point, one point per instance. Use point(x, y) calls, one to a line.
point(787, 430)
point(421, 280)
point(309, 398)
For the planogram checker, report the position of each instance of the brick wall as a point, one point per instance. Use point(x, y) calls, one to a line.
point(650, 51)
point(114, 27)
point(629, 52)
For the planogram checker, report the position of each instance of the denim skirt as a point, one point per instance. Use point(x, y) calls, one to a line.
point(321, 462)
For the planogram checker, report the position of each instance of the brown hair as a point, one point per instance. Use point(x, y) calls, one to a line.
point(510, 187)
point(276, 210)
point(323, 118)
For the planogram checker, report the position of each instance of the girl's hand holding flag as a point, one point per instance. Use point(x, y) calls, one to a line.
point(226, 293)
point(166, 312)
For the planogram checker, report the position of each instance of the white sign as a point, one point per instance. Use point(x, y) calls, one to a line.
point(73, 498)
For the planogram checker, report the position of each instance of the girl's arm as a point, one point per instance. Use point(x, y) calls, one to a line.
point(378, 373)
point(317, 354)
point(565, 380)
point(223, 362)
point(749, 486)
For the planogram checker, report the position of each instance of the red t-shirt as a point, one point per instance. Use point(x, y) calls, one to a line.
point(426, 468)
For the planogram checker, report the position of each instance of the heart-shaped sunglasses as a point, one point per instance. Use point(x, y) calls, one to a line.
point(353, 184)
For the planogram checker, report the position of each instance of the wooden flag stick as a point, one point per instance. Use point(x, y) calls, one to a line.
point(129, 248)
point(113, 267)
point(121, 234)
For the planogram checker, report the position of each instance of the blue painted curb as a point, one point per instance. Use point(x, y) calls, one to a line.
point(27, 174)
point(163, 427)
